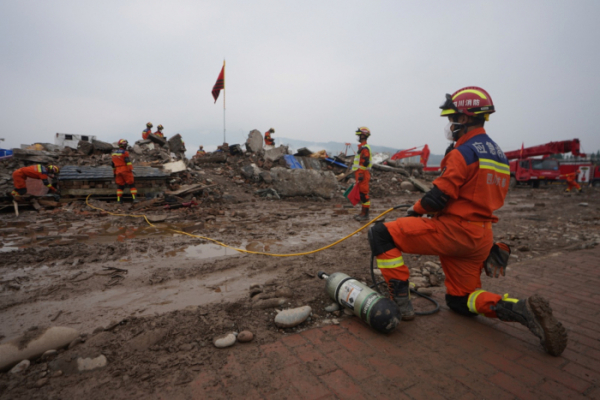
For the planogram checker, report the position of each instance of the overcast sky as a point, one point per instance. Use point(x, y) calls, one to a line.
point(313, 70)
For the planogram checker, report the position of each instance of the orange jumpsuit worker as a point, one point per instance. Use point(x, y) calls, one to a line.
point(571, 181)
point(159, 131)
point(363, 161)
point(123, 170)
point(147, 131)
point(269, 141)
point(473, 184)
point(201, 152)
point(35, 172)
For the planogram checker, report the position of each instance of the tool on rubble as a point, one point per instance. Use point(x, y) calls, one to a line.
point(378, 311)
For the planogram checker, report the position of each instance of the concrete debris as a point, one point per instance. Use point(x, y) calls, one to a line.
point(254, 143)
point(301, 182)
point(174, 167)
point(276, 153)
point(421, 184)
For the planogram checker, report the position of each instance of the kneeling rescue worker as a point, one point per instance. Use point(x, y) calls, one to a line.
point(473, 184)
point(123, 170)
point(363, 161)
point(572, 181)
point(35, 172)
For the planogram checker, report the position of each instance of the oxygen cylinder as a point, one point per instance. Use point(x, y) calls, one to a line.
point(379, 312)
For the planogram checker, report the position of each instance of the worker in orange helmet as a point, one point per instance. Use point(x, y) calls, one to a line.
point(473, 184)
point(123, 170)
point(363, 161)
point(200, 152)
point(147, 131)
point(269, 141)
point(571, 181)
point(35, 172)
point(158, 132)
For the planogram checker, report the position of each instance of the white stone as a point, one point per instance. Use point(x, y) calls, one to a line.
point(20, 367)
point(292, 317)
point(88, 364)
point(332, 307)
point(225, 341)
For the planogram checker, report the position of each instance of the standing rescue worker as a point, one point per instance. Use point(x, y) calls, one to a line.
point(363, 161)
point(473, 184)
point(572, 181)
point(269, 141)
point(35, 172)
point(159, 132)
point(147, 131)
point(123, 170)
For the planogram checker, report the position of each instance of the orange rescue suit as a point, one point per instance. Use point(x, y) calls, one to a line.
point(363, 176)
point(269, 141)
point(146, 133)
point(34, 171)
point(475, 177)
point(571, 181)
point(122, 167)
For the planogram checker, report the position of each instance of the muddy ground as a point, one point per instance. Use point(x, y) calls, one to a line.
point(152, 301)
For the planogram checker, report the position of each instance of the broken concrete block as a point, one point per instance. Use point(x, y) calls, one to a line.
point(407, 186)
point(251, 172)
point(302, 182)
point(137, 149)
point(13, 351)
point(173, 167)
point(422, 185)
point(85, 147)
point(266, 177)
point(176, 145)
point(158, 140)
point(276, 153)
point(254, 143)
point(102, 147)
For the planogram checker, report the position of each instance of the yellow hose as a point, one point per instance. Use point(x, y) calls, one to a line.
point(243, 250)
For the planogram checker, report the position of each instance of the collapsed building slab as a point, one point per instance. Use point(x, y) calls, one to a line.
point(84, 180)
point(304, 182)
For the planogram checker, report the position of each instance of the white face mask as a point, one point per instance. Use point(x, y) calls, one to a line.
point(448, 131)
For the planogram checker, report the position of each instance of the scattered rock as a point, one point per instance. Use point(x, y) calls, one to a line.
point(292, 317)
point(41, 382)
point(269, 303)
point(406, 185)
point(20, 367)
point(50, 354)
point(186, 347)
point(523, 248)
point(332, 307)
point(88, 364)
point(426, 292)
point(245, 336)
point(583, 204)
point(225, 341)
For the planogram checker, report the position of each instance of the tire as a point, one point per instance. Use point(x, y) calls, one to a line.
point(513, 182)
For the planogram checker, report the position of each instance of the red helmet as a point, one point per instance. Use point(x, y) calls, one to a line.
point(123, 143)
point(53, 169)
point(471, 101)
point(363, 130)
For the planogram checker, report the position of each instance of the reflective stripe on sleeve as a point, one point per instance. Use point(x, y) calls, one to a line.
point(471, 301)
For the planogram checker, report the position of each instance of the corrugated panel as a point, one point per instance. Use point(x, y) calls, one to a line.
point(105, 173)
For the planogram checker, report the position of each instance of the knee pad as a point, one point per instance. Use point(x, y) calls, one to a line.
point(459, 305)
point(380, 239)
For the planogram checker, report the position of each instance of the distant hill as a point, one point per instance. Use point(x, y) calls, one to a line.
point(337, 147)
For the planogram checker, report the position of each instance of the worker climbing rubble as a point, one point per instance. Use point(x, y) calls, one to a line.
point(269, 141)
point(571, 181)
point(158, 132)
point(147, 131)
point(363, 161)
point(34, 172)
point(473, 184)
point(123, 170)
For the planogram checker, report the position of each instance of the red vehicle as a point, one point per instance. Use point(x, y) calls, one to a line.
point(423, 154)
point(588, 172)
point(525, 170)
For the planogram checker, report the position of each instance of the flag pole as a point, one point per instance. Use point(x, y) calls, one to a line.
point(224, 91)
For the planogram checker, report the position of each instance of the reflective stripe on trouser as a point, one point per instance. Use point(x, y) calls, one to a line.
point(481, 301)
point(363, 187)
point(119, 193)
point(461, 246)
point(391, 265)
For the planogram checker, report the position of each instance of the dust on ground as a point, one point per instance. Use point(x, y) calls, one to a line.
point(152, 301)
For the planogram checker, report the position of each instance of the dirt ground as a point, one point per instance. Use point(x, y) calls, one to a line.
point(152, 301)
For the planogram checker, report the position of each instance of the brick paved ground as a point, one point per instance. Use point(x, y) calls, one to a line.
point(444, 356)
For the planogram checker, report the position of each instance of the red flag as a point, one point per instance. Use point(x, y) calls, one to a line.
point(220, 84)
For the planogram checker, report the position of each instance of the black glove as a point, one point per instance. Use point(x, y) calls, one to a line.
point(495, 264)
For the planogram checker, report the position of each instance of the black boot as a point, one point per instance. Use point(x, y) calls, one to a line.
point(400, 291)
point(364, 215)
point(535, 313)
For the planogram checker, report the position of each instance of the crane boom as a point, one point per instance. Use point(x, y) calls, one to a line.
point(565, 146)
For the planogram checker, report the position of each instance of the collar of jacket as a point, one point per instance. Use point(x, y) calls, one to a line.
point(469, 135)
